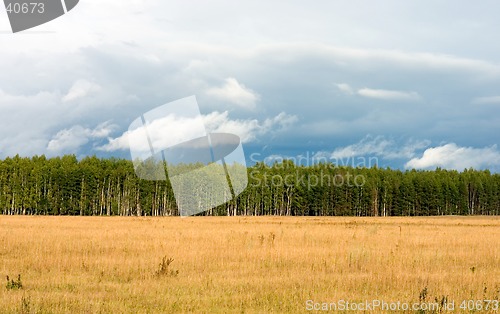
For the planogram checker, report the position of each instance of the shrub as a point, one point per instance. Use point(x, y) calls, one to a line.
point(164, 268)
point(14, 284)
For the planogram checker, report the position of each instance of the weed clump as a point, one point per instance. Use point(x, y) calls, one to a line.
point(164, 269)
point(14, 284)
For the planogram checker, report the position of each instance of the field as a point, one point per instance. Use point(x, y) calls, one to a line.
point(242, 264)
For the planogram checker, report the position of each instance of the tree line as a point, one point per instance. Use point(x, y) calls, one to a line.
point(93, 186)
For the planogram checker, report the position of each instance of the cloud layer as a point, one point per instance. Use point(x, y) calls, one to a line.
point(451, 156)
point(381, 94)
point(69, 141)
point(409, 75)
point(235, 93)
point(169, 130)
point(384, 94)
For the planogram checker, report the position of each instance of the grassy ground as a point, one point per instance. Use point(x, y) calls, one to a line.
point(242, 264)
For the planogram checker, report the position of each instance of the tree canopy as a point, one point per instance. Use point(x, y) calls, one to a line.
point(94, 186)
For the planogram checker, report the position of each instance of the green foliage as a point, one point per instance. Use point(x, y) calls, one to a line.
point(93, 186)
point(14, 284)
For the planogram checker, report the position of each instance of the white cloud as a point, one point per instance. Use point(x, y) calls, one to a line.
point(408, 150)
point(388, 94)
point(180, 129)
point(452, 156)
point(80, 89)
point(248, 130)
point(368, 145)
point(103, 130)
point(163, 132)
point(379, 146)
point(345, 88)
point(383, 94)
point(70, 140)
point(234, 92)
point(486, 100)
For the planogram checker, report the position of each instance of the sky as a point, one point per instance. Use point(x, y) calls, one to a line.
point(412, 85)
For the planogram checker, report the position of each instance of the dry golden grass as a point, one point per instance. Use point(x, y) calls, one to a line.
point(242, 264)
